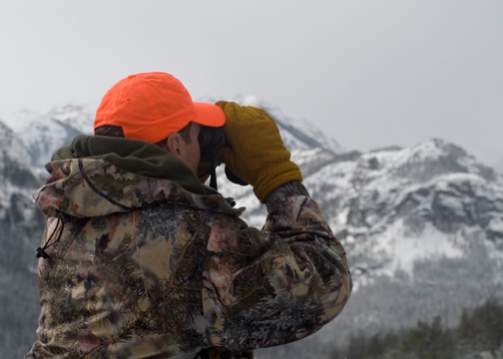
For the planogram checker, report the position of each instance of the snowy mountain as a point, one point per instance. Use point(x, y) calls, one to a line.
point(16, 175)
point(20, 228)
point(43, 134)
point(401, 205)
point(422, 226)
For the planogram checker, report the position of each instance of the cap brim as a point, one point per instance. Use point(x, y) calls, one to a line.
point(208, 114)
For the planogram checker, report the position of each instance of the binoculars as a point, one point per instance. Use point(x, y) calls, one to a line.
point(212, 142)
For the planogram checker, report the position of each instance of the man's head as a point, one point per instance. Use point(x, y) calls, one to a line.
point(155, 107)
point(184, 144)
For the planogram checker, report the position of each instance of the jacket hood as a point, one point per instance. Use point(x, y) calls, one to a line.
point(97, 176)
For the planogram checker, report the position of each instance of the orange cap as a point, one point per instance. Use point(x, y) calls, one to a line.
point(151, 106)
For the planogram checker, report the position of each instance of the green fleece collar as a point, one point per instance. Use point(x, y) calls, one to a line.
point(134, 156)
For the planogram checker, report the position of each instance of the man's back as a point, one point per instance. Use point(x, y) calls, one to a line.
point(140, 267)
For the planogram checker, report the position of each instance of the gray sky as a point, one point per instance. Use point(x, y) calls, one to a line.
point(370, 73)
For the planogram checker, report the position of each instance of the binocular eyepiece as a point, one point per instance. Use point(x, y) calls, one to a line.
point(212, 143)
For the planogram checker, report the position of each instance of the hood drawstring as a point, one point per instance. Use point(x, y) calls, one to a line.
point(213, 184)
point(213, 178)
point(53, 238)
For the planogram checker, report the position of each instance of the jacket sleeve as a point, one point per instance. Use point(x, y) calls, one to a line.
point(276, 285)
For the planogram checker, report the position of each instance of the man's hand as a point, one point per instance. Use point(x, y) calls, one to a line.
point(258, 155)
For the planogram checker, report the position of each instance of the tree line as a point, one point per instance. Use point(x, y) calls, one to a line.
point(479, 333)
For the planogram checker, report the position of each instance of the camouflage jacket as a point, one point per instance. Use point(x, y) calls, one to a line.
point(140, 267)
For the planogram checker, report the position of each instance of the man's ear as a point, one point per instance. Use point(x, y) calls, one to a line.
point(173, 143)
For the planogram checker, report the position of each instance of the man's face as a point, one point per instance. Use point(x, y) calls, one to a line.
point(187, 151)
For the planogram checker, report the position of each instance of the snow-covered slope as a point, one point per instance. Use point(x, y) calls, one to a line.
point(16, 176)
point(396, 206)
point(42, 134)
point(12, 146)
point(20, 229)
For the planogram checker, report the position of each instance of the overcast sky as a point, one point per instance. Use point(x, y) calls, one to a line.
point(370, 73)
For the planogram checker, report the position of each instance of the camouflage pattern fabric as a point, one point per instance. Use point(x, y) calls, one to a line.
point(143, 268)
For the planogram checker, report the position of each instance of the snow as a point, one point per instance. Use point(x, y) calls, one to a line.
point(12, 146)
point(43, 138)
point(80, 117)
point(19, 120)
point(378, 189)
point(42, 134)
point(76, 116)
point(229, 189)
point(496, 224)
point(426, 151)
point(405, 248)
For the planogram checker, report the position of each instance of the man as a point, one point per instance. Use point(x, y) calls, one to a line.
point(141, 260)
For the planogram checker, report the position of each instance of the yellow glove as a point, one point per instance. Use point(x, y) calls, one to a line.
point(257, 155)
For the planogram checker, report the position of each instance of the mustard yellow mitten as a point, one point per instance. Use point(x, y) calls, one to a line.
point(257, 155)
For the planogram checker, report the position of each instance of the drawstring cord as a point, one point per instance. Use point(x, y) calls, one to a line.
point(213, 178)
point(60, 225)
point(213, 184)
point(53, 238)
